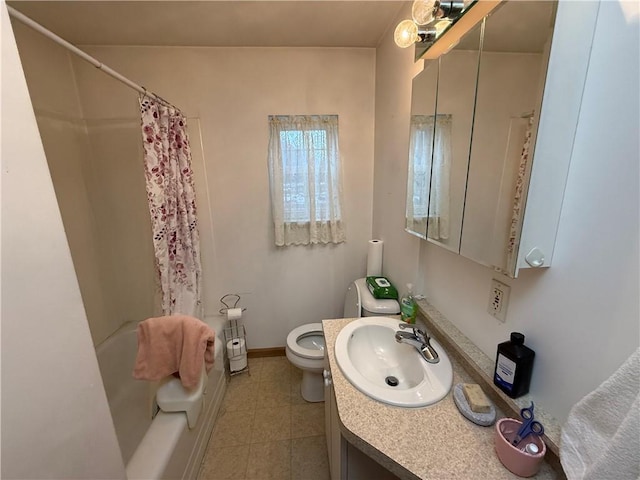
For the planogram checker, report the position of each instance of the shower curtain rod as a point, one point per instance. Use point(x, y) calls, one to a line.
point(85, 56)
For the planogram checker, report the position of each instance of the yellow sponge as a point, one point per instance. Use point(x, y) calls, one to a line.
point(477, 400)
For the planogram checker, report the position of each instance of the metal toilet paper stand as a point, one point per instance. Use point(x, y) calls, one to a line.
point(235, 335)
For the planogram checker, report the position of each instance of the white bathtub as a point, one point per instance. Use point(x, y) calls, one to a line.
point(160, 447)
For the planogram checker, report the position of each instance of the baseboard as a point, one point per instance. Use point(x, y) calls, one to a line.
point(266, 352)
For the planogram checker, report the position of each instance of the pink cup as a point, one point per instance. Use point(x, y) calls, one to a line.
point(515, 459)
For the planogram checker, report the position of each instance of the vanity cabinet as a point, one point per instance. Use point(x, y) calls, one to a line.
point(346, 462)
point(336, 445)
point(506, 107)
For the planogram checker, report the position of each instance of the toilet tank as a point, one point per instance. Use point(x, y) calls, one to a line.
point(359, 302)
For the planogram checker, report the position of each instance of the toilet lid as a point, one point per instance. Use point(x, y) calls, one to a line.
point(307, 341)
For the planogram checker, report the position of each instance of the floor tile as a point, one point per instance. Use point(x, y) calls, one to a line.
point(271, 424)
point(225, 463)
point(255, 367)
point(275, 369)
point(307, 420)
point(295, 372)
point(296, 381)
point(255, 361)
point(309, 460)
point(260, 415)
point(296, 394)
point(240, 395)
point(232, 428)
point(270, 460)
point(274, 394)
point(249, 376)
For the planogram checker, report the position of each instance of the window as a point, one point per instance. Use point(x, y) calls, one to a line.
point(304, 173)
point(429, 170)
point(421, 148)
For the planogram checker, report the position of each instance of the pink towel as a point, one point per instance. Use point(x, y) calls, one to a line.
point(171, 344)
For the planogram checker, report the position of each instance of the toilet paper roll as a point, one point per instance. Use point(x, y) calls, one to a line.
point(238, 363)
point(236, 347)
point(374, 258)
point(234, 313)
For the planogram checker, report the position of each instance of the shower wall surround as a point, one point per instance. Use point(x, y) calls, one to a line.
point(76, 154)
point(44, 325)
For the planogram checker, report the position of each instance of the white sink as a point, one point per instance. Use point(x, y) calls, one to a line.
point(368, 355)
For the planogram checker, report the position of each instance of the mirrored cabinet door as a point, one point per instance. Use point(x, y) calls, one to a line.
point(452, 140)
point(505, 89)
point(440, 136)
point(422, 125)
point(510, 85)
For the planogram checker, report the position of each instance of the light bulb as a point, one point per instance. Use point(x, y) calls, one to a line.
point(406, 34)
point(441, 26)
point(422, 11)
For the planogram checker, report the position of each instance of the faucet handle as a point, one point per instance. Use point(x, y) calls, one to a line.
point(416, 331)
point(404, 325)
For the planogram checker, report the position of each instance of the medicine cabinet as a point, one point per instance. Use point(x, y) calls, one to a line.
point(440, 140)
point(492, 128)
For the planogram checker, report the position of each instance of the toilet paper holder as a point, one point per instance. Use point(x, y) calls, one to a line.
point(227, 306)
point(236, 347)
point(235, 335)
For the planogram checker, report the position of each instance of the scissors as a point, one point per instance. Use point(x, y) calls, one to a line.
point(530, 426)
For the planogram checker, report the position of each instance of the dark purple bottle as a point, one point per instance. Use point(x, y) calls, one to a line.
point(514, 364)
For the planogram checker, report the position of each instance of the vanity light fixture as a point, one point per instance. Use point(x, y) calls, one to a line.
point(407, 33)
point(449, 37)
point(427, 21)
point(424, 11)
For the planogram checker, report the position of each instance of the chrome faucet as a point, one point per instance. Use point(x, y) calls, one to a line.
point(418, 339)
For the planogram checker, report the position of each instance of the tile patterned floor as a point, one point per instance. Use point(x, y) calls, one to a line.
point(266, 430)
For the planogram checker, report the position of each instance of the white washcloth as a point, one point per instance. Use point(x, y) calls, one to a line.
point(601, 439)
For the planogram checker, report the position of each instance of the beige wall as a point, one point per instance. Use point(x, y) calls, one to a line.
point(580, 315)
point(394, 73)
point(55, 417)
point(228, 93)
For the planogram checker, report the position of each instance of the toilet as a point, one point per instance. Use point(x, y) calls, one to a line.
point(305, 344)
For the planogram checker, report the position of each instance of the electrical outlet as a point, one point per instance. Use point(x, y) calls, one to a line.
point(498, 299)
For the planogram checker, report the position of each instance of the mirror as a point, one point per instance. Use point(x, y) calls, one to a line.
point(423, 110)
point(439, 143)
point(452, 141)
point(511, 77)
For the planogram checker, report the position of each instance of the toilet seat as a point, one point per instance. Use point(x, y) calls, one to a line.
point(297, 349)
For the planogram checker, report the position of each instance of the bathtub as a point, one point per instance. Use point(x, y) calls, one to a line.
point(156, 445)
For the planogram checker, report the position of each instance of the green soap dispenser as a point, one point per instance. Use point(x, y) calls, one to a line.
point(408, 306)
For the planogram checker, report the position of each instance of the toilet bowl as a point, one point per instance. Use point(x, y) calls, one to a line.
point(305, 350)
point(305, 344)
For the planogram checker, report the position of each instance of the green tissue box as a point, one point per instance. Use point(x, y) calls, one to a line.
point(381, 288)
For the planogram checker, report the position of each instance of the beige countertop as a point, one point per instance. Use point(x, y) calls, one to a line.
point(481, 368)
point(434, 442)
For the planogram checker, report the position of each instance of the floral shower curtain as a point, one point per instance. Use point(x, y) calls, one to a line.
point(172, 206)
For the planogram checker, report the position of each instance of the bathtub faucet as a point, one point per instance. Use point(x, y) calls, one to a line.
point(418, 339)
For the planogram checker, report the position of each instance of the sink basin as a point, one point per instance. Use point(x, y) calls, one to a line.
point(388, 371)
